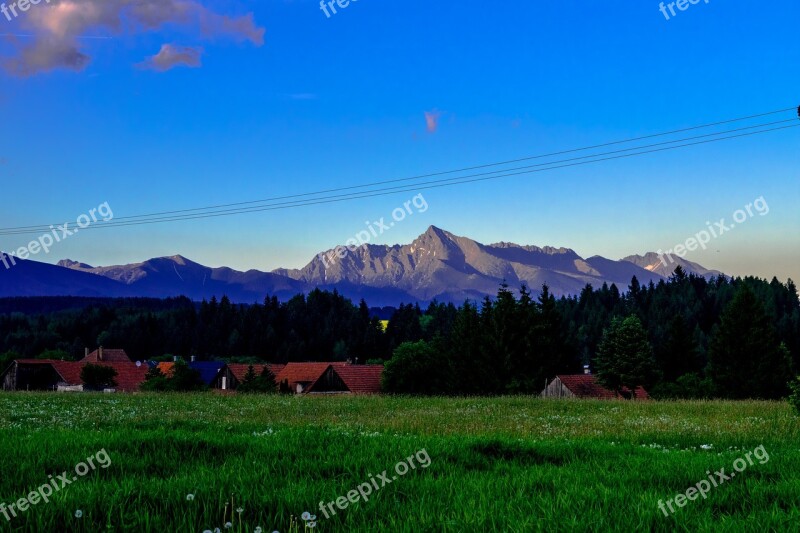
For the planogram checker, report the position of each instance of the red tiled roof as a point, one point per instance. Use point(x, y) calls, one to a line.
point(70, 371)
point(305, 373)
point(240, 370)
point(109, 356)
point(129, 376)
point(586, 386)
point(361, 379)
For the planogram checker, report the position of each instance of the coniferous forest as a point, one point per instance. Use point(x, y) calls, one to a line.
point(686, 337)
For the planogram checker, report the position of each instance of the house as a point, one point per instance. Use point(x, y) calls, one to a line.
point(585, 386)
point(302, 377)
point(358, 379)
point(309, 378)
point(297, 378)
point(331, 378)
point(49, 374)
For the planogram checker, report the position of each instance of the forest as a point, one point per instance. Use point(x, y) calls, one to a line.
point(685, 337)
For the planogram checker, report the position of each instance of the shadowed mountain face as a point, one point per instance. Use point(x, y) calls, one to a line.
point(29, 278)
point(178, 276)
point(437, 265)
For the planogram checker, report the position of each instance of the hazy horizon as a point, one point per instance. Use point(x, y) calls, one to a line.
point(175, 113)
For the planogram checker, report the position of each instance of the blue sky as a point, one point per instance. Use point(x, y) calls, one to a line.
point(330, 102)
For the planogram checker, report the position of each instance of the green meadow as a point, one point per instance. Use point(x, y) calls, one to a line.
point(496, 464)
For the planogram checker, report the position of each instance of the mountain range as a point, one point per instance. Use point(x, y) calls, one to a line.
point(436, 265)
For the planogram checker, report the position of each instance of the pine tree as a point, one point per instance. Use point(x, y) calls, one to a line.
point(625, 357)
point(248, 380)
point(678, 355)
point(555, 354)
point(257, 383)
point(472, 370)
point(746, 358)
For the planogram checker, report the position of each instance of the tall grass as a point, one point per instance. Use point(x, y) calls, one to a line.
point(498, 464)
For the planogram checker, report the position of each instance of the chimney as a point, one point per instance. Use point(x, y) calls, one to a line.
point(100, 353)
point(194, 358)
point(174, 358)
point(86, 352)
point(587, 370)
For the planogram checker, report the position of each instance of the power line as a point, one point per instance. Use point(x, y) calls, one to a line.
point(391, 190)
point(427, 185)
point(465, 169)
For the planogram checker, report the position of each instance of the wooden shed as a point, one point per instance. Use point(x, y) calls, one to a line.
point(586, 386)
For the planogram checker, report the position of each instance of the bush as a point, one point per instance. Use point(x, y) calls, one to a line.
point(183, 378)
point(155, 381)
point(415, 368)
point(687, 387)
point(98, 377)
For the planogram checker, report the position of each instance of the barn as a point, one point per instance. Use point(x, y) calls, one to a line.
point(585, 386)
point(50, 375)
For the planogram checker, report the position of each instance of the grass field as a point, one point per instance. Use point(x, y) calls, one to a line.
point(496, 464)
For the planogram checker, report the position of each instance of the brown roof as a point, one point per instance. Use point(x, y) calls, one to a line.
point(586, 386)
point(110, 355)
point(305, 373)
point(240, 370)
point(361, 379)
point(129, 376)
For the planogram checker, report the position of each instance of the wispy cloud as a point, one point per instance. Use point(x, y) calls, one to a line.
point(432, 120)
point(59, 26)
point(171, 56)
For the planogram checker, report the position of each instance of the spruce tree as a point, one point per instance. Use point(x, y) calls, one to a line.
point(746, 358)
point(678, 355)
point(625, 357)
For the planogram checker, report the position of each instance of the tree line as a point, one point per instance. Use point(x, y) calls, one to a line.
point(687, 336)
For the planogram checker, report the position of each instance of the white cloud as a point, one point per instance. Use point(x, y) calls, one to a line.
point(59, 25)
point(432, 120)
point(171, 56)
